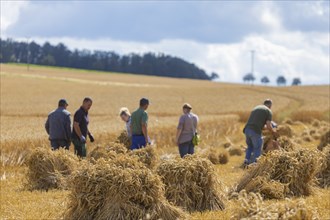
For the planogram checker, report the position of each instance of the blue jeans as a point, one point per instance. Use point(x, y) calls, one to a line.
point(138, 141)
point(186, 148)
point(254, 143)
point(56, 144)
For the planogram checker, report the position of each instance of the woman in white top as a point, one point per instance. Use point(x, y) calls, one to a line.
point(126, 117)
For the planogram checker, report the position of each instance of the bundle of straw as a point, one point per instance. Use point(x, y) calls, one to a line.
point(284, 130)
point(191, 183)
point(212, 155)
point(117, 147)
point(252, 206)
point(223, 157)
point(121, 188)
point(101, 152)
point(285, 173)
point(146, 155)
point(215, 155)
point(325, 140)
point(324, 174)
point(235, 151)
point(124, 139)
point(285, 143)
point(48, 169)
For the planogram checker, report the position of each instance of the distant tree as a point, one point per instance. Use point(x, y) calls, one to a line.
point(296, 81)
point(48, 60)
point(214, 76)
point(59, 55)
point(281, 81)
point(249, 77)
point(265, 80)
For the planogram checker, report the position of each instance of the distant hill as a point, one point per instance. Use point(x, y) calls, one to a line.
point(147, 64)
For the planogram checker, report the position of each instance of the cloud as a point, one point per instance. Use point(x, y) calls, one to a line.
point(152, 21)
point(9, 13)
point(290, 38)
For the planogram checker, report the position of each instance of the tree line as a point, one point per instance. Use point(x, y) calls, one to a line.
point(280, 81)
point(59, 55)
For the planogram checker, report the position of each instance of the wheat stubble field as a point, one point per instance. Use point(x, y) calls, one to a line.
point(28, 96)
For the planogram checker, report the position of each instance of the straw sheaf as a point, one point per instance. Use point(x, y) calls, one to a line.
point(252, 206)
point(324, 175)
point(191, 183)
point(215, 155)
point(121, 188)
point(108, 152)
point(284, 130)
point(124, 139)
point(287, 174)
point(325, 140)
point(48, 169)
point(146, 155)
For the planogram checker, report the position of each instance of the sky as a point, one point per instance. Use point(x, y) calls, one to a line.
point(290, 38)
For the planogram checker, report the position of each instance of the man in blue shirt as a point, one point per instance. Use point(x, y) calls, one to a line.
point(58, 126)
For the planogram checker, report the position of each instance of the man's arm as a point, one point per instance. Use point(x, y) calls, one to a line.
point(178, 133)
point(47, 125)
point(77, 129)
point(270, 127)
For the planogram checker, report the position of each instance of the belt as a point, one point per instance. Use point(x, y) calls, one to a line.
point(137, 135)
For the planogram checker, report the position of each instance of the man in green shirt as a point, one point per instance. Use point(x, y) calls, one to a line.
point(260, 116)
point(139, 125)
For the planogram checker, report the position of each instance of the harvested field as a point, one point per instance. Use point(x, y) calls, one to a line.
point(28, 96)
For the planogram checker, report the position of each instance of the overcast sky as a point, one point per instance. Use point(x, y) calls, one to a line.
point(290, 38)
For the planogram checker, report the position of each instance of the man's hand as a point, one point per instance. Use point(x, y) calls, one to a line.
point(91, 137)
point(83, 139)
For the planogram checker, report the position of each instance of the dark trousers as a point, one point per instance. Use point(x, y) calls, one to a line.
point(138, 141)
point(186, 148)
point(56, 144)
point(79, 148)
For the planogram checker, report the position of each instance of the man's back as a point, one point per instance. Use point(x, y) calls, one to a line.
point(258, 118)
point(188, 125)
point(138, 117)
point(59, 124)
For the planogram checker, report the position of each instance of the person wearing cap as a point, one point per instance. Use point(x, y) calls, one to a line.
point(186, 130)
point(125, 115)
point(139, 126)
point(58, 126)
point(80, 128)
point(260, 117)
